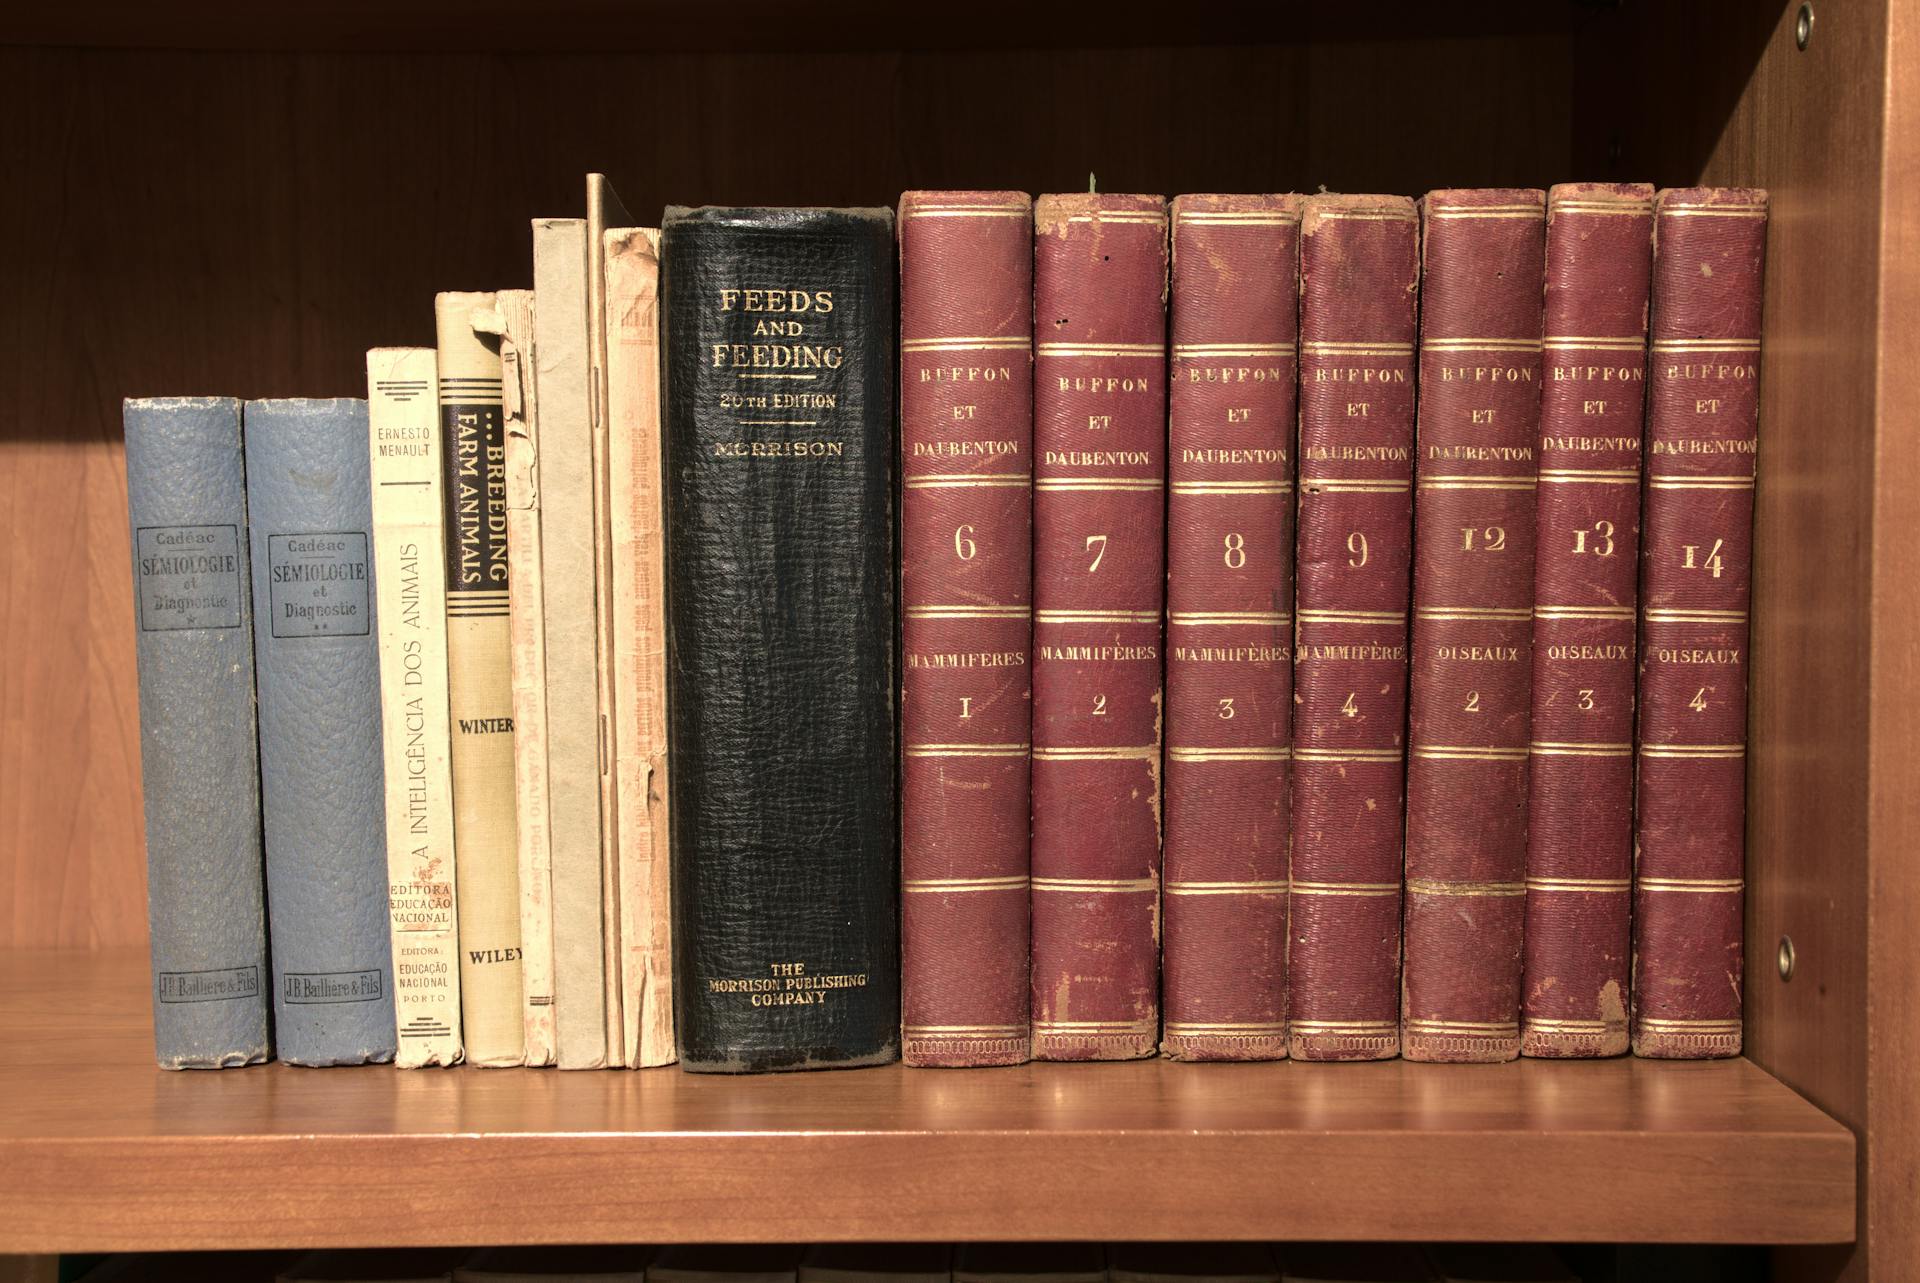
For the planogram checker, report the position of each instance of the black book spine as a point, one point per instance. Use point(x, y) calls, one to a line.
point(780, 644)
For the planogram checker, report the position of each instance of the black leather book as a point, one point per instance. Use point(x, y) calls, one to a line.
point(779, 446)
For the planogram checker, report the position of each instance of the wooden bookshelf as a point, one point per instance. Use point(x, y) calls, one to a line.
point(208, 198)
point(100, 1151)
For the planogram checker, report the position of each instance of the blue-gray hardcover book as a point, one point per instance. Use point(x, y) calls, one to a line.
point(187, 507)
point(322, 786)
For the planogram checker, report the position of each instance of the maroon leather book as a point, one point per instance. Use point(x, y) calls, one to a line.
point(1480, 331)
point(1580, 795)
point(966, 595)
point(1359, 279)
point(1696, 577)
point(1229, 667)
point(1100, 466)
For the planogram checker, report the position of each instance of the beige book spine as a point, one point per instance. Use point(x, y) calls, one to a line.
point(526, 622)
point(640, 640)
point(573, 716)
point(604, 210)
point(479, 682)
point(409, 580)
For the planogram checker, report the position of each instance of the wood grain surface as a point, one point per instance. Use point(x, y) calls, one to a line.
point(101, 1151)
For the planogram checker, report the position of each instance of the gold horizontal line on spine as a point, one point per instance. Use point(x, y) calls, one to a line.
point(1211, 618)
point(1697, 886)
point(1095, 1026)
point(1439, 886)
point(1705, 752)
point(1355, 485)
point(1058, 484)
point(1579, 884)
point(1547, 748)
point(1706, 345)
point(968, 612)
point(1583, 343)
point(1368, 215)
point(1477, 483)
point(1655, 1024)
point(1343, 1026)
point(1583, 612)
point(1227, 754)
point(1479, 345)
point(1248, 1029)
point(965, 750)
point(1013, 882)
point(1330, 347)
point(1688, 615)
point(1346, 754)
point(1232, 487)
point(1369, 889)
point(1103, 885)
point(1714, 211)
point(971, 481)
point(1232, 217)
point(1331, 616)
point(1592, 476)
point(1589, 205)
point(970, 211)
point(964, 1031)
point(1523, 209)
point(1274, 887)
point(478, 594)
point(1700, 483)
point(976, 343)
point(1468, 753)
point(1102, 349)
point(1490, 614)
point(1096, 616)
point(785, 374)
point(1098, 753)
point(1233, 349)
point(1487, 1028)
point(1120, 216)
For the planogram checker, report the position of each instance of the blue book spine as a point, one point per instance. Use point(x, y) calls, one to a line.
point(322, 786)
point(187, 507)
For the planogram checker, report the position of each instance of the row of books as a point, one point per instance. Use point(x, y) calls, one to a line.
point(884, 1263)
point(642, 517)
point(1333, 727)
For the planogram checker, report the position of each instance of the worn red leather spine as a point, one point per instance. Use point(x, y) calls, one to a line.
point(1100, 399)
point(1580, 794)
point(1229, 666)
point(1696, 579)
point(1480, 331)
point(1359, 285)
point(966, 585)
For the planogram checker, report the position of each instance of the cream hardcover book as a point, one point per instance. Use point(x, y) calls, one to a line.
point(410, 598)
point(573, 698)
point(526, 615)
point(479, 681)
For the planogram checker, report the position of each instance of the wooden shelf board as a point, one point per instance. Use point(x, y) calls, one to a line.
point(100, 1151)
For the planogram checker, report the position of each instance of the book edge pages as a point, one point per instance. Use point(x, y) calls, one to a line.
point(604, 208)
point(639, 642)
